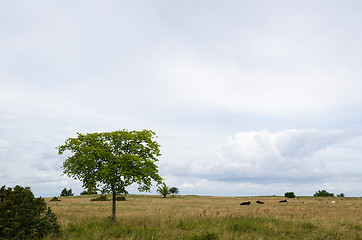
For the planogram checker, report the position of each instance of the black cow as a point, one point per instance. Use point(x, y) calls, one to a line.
point(259, 202)
point(281, 201)
point(245, 203)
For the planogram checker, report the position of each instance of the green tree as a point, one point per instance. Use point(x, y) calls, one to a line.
point(163, 190)
point(340, 195)
point(66, 193)
point(323, 193)
point(22, 216)
point(174, 190)
point(111, 161)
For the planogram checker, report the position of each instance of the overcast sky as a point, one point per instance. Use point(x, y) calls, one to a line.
point(246, 97)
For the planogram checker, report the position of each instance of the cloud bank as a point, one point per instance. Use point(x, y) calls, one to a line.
point(263, 157)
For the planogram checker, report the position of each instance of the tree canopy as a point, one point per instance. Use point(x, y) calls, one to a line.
point(111, 161)
point(289, 195)
point(174, 190)
point(163, 190)
point(66, 193)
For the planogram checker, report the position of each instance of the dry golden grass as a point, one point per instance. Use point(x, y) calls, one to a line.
point(195, 217)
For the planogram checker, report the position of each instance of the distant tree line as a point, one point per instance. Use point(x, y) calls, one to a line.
point(319, 193)
point(324, 193)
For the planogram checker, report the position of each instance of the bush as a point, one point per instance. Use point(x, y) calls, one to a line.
point(323, 193)
point(120, 198)
point(289, 195)
point(340, 195)
point(85, 192)
point(104, 198)
point(100, 198)
point(55, 199)
point(22, 216)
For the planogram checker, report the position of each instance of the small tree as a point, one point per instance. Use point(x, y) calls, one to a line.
point(340, 195)
point(323, 193)
point(66, 193)
point(174, 190)
point(163, 190)
point(22, 216)
point(289, 195)
point(111, 161)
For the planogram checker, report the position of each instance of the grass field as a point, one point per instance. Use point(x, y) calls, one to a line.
point(199, 217)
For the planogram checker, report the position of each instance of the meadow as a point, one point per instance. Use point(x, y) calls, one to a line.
point(202, 217)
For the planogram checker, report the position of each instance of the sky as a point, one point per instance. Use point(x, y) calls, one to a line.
point(247, 98)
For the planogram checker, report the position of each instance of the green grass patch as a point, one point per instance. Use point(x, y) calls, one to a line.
point(270, 227)
point(197, 217)
point(204, 228)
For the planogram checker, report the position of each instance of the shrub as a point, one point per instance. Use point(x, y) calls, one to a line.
point(340, 195)
point(55, 199)
point(100, 198)
point(323, 193)
point(22, 216)
point(85, 192)
point(120, 198)
point(289, 195)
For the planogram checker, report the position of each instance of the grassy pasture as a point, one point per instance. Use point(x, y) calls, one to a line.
point(199, 217)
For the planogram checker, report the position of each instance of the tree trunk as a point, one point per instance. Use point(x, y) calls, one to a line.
point(114, 206)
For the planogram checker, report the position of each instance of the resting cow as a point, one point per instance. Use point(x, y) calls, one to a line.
point(259, 202)
point(245, 203)
point(281, 201)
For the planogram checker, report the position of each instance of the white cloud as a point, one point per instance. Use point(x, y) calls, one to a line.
point(195, 80)
point(265, 157)
point(4, 145)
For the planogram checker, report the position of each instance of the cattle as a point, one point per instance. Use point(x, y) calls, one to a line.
point(282, 201)
point(259, 202)
point(245, 203)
